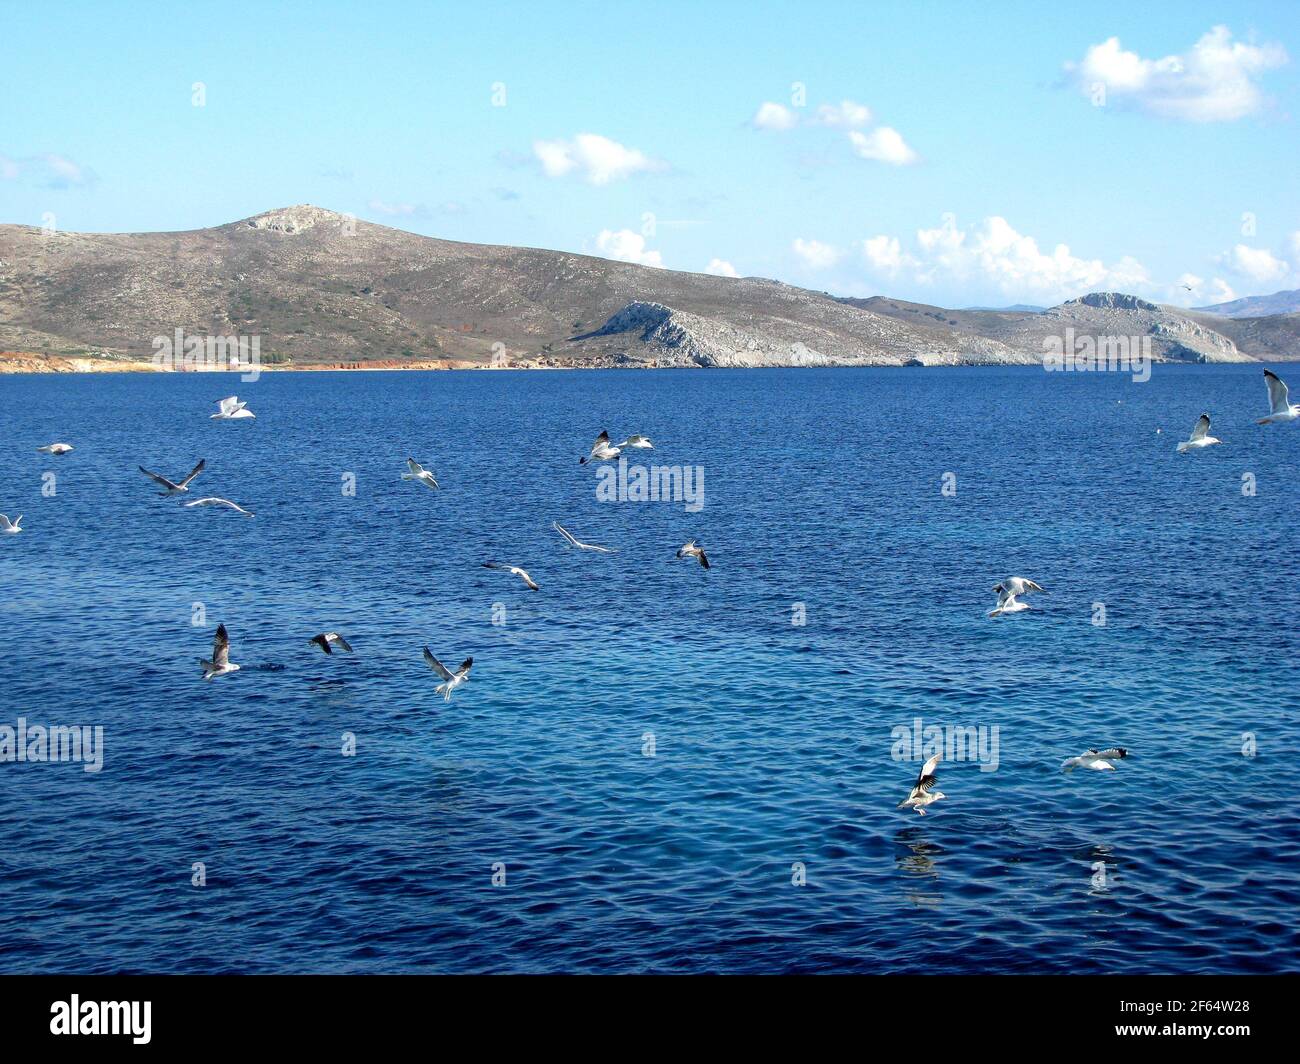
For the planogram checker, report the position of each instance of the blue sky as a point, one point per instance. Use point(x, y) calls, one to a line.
point(968, 154)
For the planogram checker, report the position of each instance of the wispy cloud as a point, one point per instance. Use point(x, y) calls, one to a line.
point(47, 169)
point(815, 255)
point(399, 210)
point(1213, 81)
point(883, 144)
point(1259, 264)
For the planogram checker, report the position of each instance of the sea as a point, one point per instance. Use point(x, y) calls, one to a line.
point(654, 767)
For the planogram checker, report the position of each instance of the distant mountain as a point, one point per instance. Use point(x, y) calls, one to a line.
point(1257, 306)
point(324, 289)
point(1275, 338)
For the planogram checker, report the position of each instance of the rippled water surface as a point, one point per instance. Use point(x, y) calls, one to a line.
point(772, 742)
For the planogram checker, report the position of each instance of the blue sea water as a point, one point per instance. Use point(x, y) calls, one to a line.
point(773, 743)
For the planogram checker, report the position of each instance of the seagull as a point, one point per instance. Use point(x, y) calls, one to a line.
point(1200, 436)
point(1095, 759)
point(326, 638)
point(231, 409)
point(171, 487)
point(532, 586)
point(601, 451)
point(1189, 288)
point(220, 663)
point(1016, 585)
point(922, 795)
point(453, 681)
point(418, 472)
point(1282, 409)
point(55, 448)
point(690, 550)
point(11, 527)
point(636, 442)
point(213, 500)
point(578, 543)
point(1007, 603)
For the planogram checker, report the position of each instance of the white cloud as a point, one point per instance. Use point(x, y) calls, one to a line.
point(774, 117)
point(1213, 81)
point(598, 160)
point(1221, 292)
point(1259, 264)
point(884, 144)
point(626, 246)
point(994, 254)
point(885, 254)
point(398, 210)
point(845, 115)
point(48, 169)
point(721, 268)
point(816, 255)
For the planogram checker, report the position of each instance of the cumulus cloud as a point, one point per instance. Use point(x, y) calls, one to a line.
point(844, 115)
point(721, 268)
point(596, 159)
point(992, 253)
point(624, 245)
point(1259, 264)
point(883, 144)
point(1213, 81)
point(774, 117)
point(816, 255)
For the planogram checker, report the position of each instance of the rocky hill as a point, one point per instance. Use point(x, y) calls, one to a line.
point(323, 289)
point(1257, 306)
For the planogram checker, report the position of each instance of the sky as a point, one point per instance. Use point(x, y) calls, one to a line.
point(948, 153)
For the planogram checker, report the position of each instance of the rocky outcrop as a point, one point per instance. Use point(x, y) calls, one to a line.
point(1112, 301)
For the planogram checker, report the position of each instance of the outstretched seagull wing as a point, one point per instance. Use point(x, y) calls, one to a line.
point(221, 647)
point(157, 479)
point(564, 532)
point(927, 778)
point(436, 665)
point(343, 643)
point(322, 642)
point(414, 466)
point(192, 473)
point(465, 666)
point(230, 404)
point(1202, 427)
point(1278, 398)
point(1110, 754)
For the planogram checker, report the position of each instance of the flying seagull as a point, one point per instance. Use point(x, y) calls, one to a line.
point(220, 663)
point(1281, 409)
point(1095, 759)
point(55, 448)
point(690, 550)
point(418, 472)
point(171, 487)
point(213, 500)
point(568, 538)
point(1007, 602)
point(11, 527)
point(923, 793)
point(452, 680)
point(1016, 585)
point(326, 638)
point(636, 442)
point(601, 450)
point(231, 409)
point(532, 585)
point(1200, 436)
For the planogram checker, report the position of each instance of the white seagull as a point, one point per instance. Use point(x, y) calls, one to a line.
point(604, 451)
point(1007, 603)
point(578, 543)
point(326, 638)
point(692, 550)
point(55, 448)
point(922, 793)
point(418, 472)
point(1095, 759)
point(11, 527)
point(1200, 436)
point(213, 500)
point(220, 663)
point(174, 487)
point(1016, 585)
point(231, 409)
point(1281, 409)
point(453, 680)
point(532, 585)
